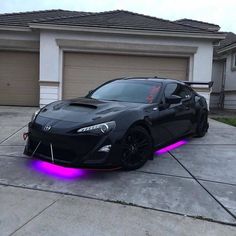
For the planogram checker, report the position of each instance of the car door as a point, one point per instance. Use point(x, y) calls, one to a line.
point(161, 119)
point(182, 114)
point(189, 114)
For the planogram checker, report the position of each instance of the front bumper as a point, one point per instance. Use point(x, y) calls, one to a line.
point(77, 150)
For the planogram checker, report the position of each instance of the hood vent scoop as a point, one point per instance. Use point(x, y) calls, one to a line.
point(83, 105)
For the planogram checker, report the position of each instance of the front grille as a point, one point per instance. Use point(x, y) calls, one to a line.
point(58, 153)
point(81, 143)
point(67, 148)
point(64, 154)
point(44, 150)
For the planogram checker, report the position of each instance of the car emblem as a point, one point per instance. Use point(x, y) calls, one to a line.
point(47, 128)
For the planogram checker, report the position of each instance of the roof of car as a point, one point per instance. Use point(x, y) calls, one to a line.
point(155, 78)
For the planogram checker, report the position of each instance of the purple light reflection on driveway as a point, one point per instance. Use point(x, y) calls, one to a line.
point(66, 173)
point(57, 171)
point(171, 147)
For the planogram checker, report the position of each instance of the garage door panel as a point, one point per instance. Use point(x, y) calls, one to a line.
point(19, 78)
point(17, 58)
point(102, 60)
point(81, 88)
point(83, 72)
point(19, 72)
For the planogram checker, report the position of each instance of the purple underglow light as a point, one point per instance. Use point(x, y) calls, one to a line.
point(60, 172)
point(171, 147)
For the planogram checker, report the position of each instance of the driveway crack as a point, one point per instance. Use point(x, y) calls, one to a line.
point(225, 208)
point(4, 140)
point(39, 213)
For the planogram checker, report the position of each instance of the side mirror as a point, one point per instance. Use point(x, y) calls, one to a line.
point(173, 99)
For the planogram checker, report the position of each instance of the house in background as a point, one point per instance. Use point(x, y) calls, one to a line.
point(57, 54)
point(223, 93)
point(224, 73)
point(199, 24)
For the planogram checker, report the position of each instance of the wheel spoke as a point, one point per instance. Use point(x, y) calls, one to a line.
point(136, 148)
point(130, 158)
point(141, 155)
point(142, 144)
point(126, 146)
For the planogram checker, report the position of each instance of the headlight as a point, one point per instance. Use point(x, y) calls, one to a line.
point(34, 115)
point(99, 128)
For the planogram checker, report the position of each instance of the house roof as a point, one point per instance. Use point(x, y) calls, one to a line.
point(112, 19)
point(199, 24)
point(225, 45)
point(230, 39)
point(124, 20)
point(24, 18)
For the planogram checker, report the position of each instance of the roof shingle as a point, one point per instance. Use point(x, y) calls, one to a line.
point(112, 19)
point(229, 40)
point(199, 24)
point(123, 19)
point(24, 18)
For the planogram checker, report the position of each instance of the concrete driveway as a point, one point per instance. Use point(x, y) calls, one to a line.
point(197, 180)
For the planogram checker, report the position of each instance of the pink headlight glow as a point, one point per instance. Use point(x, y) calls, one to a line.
point(171, 147)
point(57, 171)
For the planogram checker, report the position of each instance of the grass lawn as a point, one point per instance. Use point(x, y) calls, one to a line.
point(227, 120)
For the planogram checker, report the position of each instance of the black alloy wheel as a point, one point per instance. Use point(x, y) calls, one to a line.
point(137, 148)
point(202, 125)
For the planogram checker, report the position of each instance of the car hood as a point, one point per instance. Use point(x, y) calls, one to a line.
point(84, 110)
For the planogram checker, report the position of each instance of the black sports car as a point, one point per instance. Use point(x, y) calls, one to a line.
point(119, 124)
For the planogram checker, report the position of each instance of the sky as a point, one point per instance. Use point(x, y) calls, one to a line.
point(213, 11)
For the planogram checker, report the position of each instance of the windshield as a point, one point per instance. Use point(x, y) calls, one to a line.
point(137, 91)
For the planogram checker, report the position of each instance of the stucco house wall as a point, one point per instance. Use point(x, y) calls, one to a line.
point(51, 55)
point(218, 71)
point(230, 84)
point(222, 72)
point(51, 33)
point(15, 40)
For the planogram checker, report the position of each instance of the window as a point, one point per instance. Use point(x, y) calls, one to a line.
point(186, 92)
point(137, 91)
point(234, 61)
point(179, 90)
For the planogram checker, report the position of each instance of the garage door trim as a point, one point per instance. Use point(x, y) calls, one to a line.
point(65, 72)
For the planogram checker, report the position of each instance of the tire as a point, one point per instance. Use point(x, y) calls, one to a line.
point(137, 148)
point(202, 126)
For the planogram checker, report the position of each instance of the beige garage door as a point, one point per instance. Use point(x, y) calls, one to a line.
point(83, 72)
point(19, 75)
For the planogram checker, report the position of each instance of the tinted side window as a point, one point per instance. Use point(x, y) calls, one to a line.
point(178, 90)
point(171, 89)
point(185, 92)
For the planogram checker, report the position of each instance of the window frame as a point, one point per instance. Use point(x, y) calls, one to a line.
point(190, 91)
point(233, 66)
point(182, 87)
